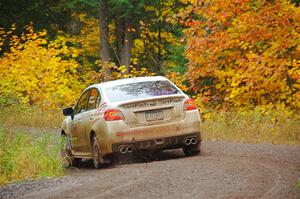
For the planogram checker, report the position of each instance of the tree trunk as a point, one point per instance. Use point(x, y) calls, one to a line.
point(120, 38)
point(103, 25)
point(159, 39)
point(127, 45)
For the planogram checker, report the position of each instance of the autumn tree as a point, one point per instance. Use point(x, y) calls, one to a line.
point(159, 36)
point(135, 32)
point(37, 72)
point(244, 52)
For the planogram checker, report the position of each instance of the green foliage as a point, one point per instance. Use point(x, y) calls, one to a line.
point(175, 60)
point(242, 54)
point(127, 8)
point(24, 157)
point(73, 4)
point(44, 14)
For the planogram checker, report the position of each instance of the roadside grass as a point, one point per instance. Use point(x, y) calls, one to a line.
point(298, 184)
point(23, 156)
point(26, 116)
point(253, 127)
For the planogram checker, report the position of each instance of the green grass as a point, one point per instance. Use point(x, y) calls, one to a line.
point(23, 156)
point(253, 127)
point(298, 184)
point(18, 116)
point(26, 155)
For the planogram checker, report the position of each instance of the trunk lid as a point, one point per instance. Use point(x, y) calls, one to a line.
point(152, 111)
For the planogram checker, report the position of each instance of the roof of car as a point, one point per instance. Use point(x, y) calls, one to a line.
point(128, 81)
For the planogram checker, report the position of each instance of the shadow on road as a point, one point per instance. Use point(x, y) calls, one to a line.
point(135, 158)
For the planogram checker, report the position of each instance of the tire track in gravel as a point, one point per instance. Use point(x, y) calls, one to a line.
point(85, 182)
point(223, 170)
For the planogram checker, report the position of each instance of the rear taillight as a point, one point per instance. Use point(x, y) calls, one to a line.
point(190, 105)
point(112, 115)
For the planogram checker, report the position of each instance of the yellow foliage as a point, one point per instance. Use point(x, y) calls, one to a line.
point(36, 71)
point(178, 79)
point(121, 72)
point(89, 37)
point(86, 41)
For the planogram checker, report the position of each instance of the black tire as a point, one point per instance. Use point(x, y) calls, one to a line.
point(66, 153)
point(96, 153)
point(191, 150)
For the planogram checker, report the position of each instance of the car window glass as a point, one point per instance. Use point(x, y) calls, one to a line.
point(139, 90)
point(82, 103)
point(94, 99)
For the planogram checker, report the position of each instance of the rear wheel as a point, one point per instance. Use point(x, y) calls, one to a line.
point(96, 153)
point(66, 153)
point(191, 150)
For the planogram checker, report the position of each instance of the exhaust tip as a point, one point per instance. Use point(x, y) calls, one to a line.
point(129, 149)
point(193, 140)
point(187, 141)
point(123, 149)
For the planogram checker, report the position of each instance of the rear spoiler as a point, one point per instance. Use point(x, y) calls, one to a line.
point(151, 99)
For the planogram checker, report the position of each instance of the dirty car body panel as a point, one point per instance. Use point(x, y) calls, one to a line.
point(134, 114)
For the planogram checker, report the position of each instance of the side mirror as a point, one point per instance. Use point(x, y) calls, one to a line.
point(68, 111)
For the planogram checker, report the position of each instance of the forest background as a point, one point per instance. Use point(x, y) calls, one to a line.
point(239, 59)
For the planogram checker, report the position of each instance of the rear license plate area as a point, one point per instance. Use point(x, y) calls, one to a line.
point(154, 115)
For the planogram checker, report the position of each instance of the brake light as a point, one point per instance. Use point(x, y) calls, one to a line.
point(112, 115)
point(190, 105)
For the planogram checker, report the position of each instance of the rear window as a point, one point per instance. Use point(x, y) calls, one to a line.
point(140, 90)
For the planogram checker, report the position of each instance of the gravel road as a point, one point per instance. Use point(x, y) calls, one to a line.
point(223, 170)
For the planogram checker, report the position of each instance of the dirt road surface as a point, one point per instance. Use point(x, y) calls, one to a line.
point(223, 170)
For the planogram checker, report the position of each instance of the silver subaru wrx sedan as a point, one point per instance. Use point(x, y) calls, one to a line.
point(127, 116)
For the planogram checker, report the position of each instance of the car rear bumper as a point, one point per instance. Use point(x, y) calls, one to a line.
point(157, 144)
point(158, 136)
